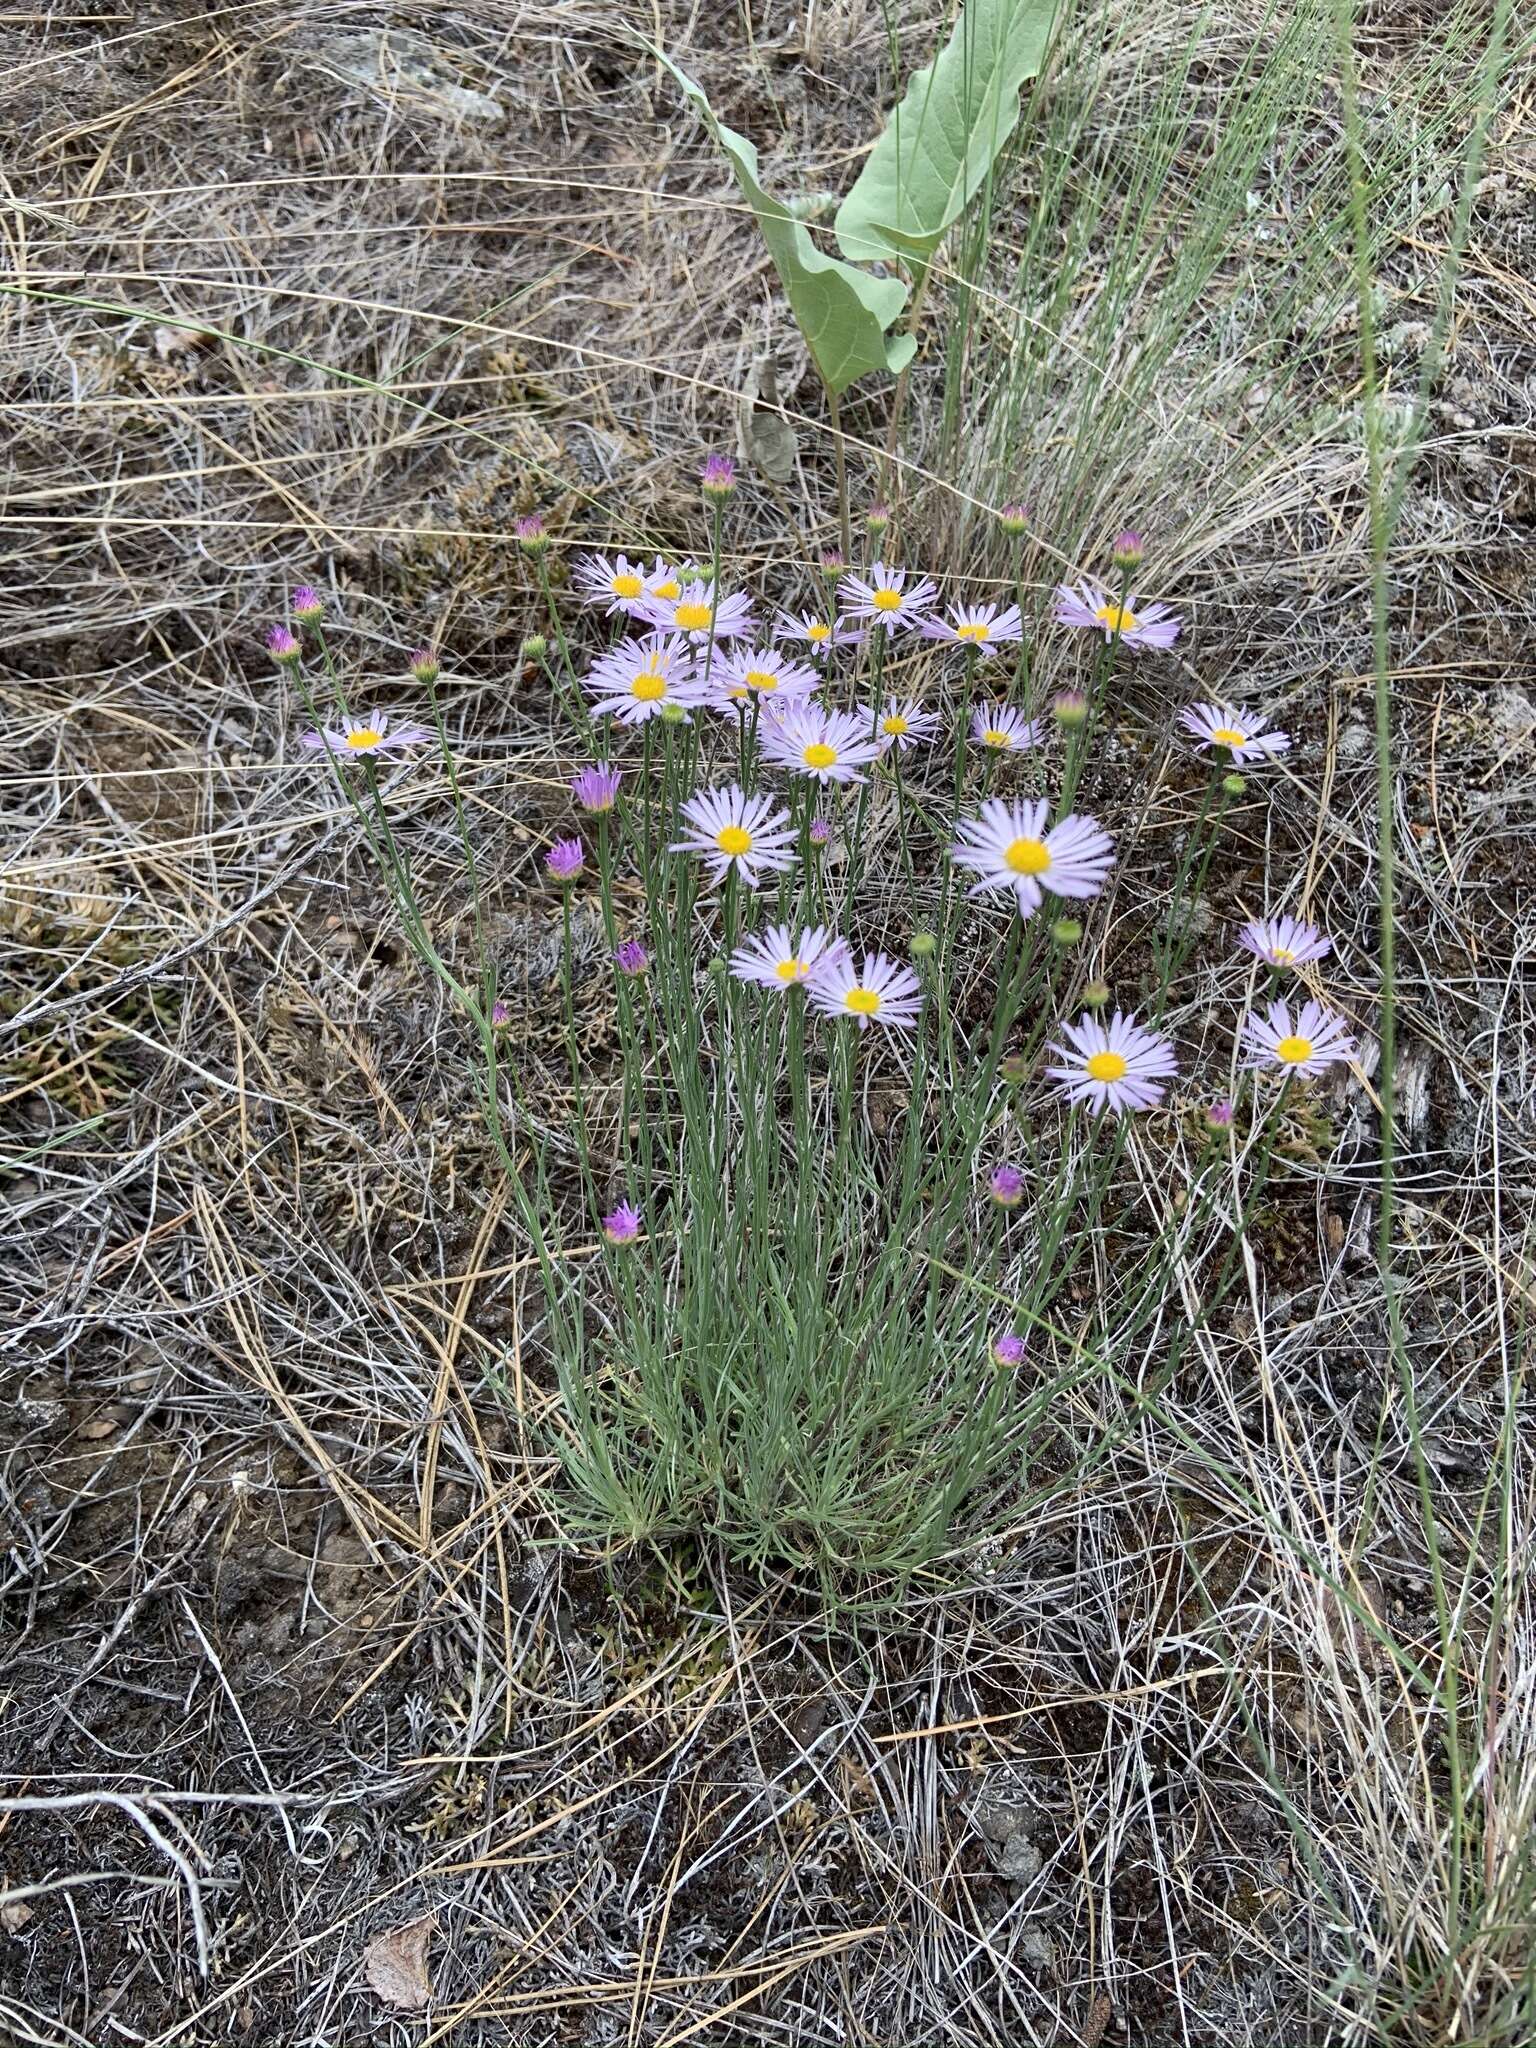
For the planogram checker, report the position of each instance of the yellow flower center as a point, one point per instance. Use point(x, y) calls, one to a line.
point(895, 725)
point(1294, 1050)
point(761, 679)
point(1107, 1066)
point(668, 590)
point(1283, 956)
point(863, 1002)
point(1116, 619)
point(648, 686)
point(975, 631)
point(627, 586)
point(887, 600)
point(817, 631)
point(819, 755)
point(1027, 856)
point(994, 737)
point(1229, 736)
point(734, 839)
point(693, 618)
point(789, 970)
point(363, 738)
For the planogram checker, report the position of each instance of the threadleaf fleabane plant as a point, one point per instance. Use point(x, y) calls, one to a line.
point(811, 1248)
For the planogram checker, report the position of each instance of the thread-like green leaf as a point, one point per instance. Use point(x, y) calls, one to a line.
point(940, 144)
point(843, 313)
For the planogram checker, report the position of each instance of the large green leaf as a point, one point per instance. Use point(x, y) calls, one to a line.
point(940, 144)
point(843, 313)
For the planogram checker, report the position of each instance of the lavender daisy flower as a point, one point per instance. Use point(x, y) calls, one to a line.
point(622, 1224)
point(1283, 941)
point(879, 992)
point(743, 674)
point(638, 679)
point(826, 746)
point(1090, 605)
point(596, 788)
point(1005, 730)
point(779, 960)
point(982, 627)
point(631, 959)
point(732, 829)
point(1008, 846)
point(283, 647)
point(884, 597)
point(1006, 1186)
point(700, 612)
point(306, 604)
point(565, 860)
point(819, 633)
point(1243, 732)
point(1308, 1042)
point(1008, 1350)
point(903, 725)
point(613, 581)
point(371, 735)
point(1115, 1066)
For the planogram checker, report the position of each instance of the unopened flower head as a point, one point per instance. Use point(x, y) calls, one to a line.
point(596, 787)
point(1014, 520)
point(1306, 1041)
point(877, 519)
point(631, 958)
point(1114, 1066)
point(1009, 846)
point(1283, 941)
point(760, 672)
point(374, 734)
point(778, 959)
point(1004, 730)
point(283, 647)
point(978, 628)
point(622, 1224)
point(638, 679)
point(922, 945)
point(531, 537)
point(1006, 1186)
point(733, 830)
point(1067, 932)
point(612, 581)
point(534, 647)
point(880, 991)
point(501, 1013)
point(1096, 995)
point(826, 746)
point(1069, 708)
point(821, 832)
point(905, 724)
point(1129, 550)
point(885, 597)
point(1008, 1350)
point(1132, 623)
point(425, 666)
point(1219, 1113)
point(1014, 1069)
point(306, 604)
point(833, 563)
point(699, 612)
point(718, 476)
point(1245, 735)
point(565, 860)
